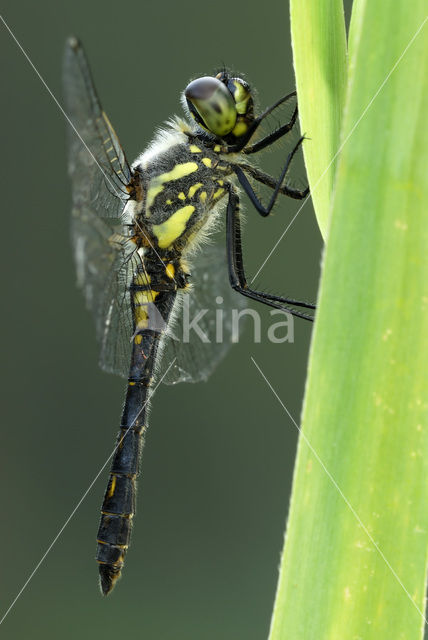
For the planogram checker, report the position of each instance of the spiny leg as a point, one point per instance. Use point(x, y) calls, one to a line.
point(237, 276)
point(269, 181)
point(265, 211)
point(272, 137)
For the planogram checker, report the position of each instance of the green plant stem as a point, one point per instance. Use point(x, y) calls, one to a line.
point(355, 559)
point(319, 50)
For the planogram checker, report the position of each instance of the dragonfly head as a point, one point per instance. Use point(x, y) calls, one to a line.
point(221, 105)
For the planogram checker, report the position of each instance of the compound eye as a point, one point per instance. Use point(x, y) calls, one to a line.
point(213, 103)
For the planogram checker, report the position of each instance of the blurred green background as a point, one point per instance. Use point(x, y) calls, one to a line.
point(218, 460)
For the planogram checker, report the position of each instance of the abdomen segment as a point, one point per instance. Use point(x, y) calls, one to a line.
point(118, 506)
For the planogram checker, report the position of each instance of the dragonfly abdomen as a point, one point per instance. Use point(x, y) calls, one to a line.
point(118, 506)
point(119, 502)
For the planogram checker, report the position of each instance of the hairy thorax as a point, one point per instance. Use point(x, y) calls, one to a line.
point(181, 182)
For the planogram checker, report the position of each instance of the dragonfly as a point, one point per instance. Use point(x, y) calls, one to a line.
point(136, 231)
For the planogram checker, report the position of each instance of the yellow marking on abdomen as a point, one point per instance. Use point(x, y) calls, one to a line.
point(193, 189)
point(203, 196)
point(143, 297)
point(170, 270)
point(112, 487)
point(172, 228)
point(220, 182)
point(194, 149)
point(218, 193)
point(207, 162)
point(138, 339)
point(217, 148)
point(141, 317)
point(142, 279)
point(141, 301)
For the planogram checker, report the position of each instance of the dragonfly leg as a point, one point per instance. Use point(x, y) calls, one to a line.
point(272, 137)
point(269, 181)
point(265, 211)
point(237, 276)
point(269, 139)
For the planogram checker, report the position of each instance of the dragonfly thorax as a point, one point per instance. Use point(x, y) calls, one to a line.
point(182, 185)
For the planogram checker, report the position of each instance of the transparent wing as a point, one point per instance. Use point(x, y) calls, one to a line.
point(98, 167)
point(105, 262)
point(104, 256)
point(206, 320)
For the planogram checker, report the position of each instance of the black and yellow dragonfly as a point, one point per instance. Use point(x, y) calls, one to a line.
point(135, 230)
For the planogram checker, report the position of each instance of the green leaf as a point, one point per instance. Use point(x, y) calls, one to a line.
point(319, 50)
point(355, 559)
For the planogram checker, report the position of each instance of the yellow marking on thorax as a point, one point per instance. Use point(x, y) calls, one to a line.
point(138, 338)
point(170, 270)
point(207, 162)
point(157, 184)
point(112, 487)
point(217, 148)
point(167, 232)
point(203, 196)
point(179, 171)
point(194, 149)
point(218, 193)
point(193, 189)
point(220, 182)
point(181, 196)
point(169, 201)
point(152, 192)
